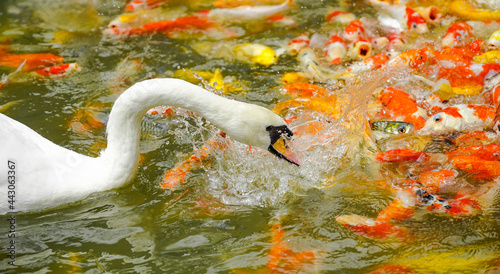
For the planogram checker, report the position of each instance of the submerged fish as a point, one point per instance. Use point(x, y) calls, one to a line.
point(150, 128)
point(393, 127)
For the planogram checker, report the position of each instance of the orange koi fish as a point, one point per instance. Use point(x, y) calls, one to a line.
point(373, 229)
point(459, 118)
point(354, 31)
point(458, 35)
point(482, 169)
point(467, 76)
point(489, 152)
point(436, 180)
point(397, 105)
point(476, 138)
point(303, 90)
point(32, 60)
point(401, 155)
point(87, 118)
point(282, 258)
point(414, 58)
point(335, 49)
point(400, 209)
point(370, 63)
point(177, 175)
point(297, 44)
point(341, 17)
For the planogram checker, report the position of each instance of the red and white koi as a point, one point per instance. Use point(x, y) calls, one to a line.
point(373, 229)
point(244, 14)
point(403, 18)
point(136, 5)
point(459, 118)
point(335, 49)
point(459, 34)
point(354, 31)
point(59, 70)
point(295, 45)
point(396, 41)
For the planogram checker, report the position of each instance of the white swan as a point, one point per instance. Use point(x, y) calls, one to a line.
point(47, 175)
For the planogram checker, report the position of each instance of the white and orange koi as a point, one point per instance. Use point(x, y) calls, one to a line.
point(379, 43)
point(396, 41)
point(341, 17)
point(370, 63)
point(335, 49)
point(459, 118)
point(244, 14)
point(373, 229)
point(431, 14)
point(459, 34)
point(295, 45)
point(403, 18)
point(360, 50)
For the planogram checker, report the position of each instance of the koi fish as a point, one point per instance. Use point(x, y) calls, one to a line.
point(431, 14)
point(489, 152)
point(255, 53)
point(392, 127)
point(396, 41)
point(282, 258)
point(31, 61)
point(341, 17)
point(397, 105)
point(400, 209)
point(371, 228)
point(401, 155)
point(401, 16)
point(335, 49)
point(309, 61)
point(247, 13)
point(433, 103)
point(379, 43)
point(482, 169)
point(59, 71)
point(360, 50)
point(476, 138)
point(436, 180)
point(414, 58)
point(354, 31)
point(136, 5)
point(369, 63)
point(177, 175)
point(494, 41)
point(87, 118)
point(457, 35)
point(304, 90)
point(459, 118)
point(297, 44)
point(466, 10)
point(237, 3)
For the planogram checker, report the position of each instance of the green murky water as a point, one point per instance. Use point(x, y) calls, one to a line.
point(220, 220)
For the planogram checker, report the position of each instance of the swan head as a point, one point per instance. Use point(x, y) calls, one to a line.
point(257, 126)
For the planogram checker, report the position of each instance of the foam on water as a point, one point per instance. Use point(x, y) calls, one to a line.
point(242, 176)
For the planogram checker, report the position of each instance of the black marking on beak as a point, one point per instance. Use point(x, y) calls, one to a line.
point(277, 132)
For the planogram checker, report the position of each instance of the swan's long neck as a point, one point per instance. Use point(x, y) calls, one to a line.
point(123, 131)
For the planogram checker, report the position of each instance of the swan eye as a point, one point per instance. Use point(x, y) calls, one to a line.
point(438, 118)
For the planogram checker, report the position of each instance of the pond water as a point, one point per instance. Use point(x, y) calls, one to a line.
point(224, 218)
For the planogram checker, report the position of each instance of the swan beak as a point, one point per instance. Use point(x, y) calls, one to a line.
point(280, 149)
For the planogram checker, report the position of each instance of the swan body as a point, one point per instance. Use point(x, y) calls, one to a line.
point(48, 175)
